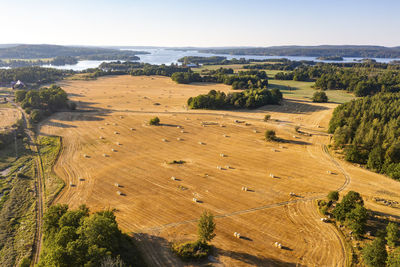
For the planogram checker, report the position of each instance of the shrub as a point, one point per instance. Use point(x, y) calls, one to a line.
point(155, 121)
point(270, 135)
point(267, 117)
point(392, 236)
point(177, 162)
point(333, 196)
point(320, 97)
point(192, 250)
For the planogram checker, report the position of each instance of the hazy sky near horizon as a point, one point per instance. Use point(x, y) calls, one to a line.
point(201, 23)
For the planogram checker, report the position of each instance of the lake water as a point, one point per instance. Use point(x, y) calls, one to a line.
point(166, 56)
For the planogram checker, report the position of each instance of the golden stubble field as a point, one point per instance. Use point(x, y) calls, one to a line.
point(8, 116)
point(111, 129)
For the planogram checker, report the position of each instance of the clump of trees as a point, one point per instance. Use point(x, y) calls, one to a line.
point(186, 77)
point(198, 249)
point(77, 238)
point(154, 121)
point(320, 97)
point(352, 212)
point(43, 102)
point(368, 130)
point(246, 99)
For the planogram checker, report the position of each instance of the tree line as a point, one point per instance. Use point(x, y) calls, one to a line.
point(251, 79)
point(33, 76)
point(368, 130)
point(252, 98)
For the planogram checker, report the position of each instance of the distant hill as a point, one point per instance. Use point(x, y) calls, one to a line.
point(363, 51)
point(27, 51)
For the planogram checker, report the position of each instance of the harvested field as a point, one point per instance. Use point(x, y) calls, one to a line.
point(8, 116)
point(162, 209)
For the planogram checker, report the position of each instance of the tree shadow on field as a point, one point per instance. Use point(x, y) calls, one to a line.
point(289, 106)
point(255, 260)
point(156, 250)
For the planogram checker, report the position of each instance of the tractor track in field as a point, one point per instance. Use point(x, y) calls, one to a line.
point(268, 206)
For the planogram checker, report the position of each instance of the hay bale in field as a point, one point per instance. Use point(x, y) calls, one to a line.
point(244, 188)
point(178, 127)
point(247, 124)
point(179, 139)
point(121, 117)
point(222, 126)
point(116, 132)
point(115, 124)
point(237, 235)
point(201, 143)
point(106, 123)
point(164, 140)
point(101, 137)
point(173, 178)
point(117, 184)
point(119, 193)
point(101, 128)
point(132, 129)
point(324, 219)
point(182, 131)
point(224, 135)
point(227, 167)
point(271, 175)
point(81, 179)
point(118, 143)
point(86, 156)
point(273, 150)
point(222, 155)
point(292, 194)
point(219, 167)
point(329, 172)
point(113, 150)
point(105, 155)
point(71, 184)
point(195, 200)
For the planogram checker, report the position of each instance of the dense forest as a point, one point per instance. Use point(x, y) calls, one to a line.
point(32, 76)
point(368, 129)
point(78, 238)
point(362, 81)
point(246, 99)
point(313, 51)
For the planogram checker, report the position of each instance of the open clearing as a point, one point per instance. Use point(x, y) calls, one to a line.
point(8, 116)
point(109, 141)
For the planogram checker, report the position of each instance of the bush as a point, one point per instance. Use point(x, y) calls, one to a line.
point(270, 135)
point(320, 97)
point(333, 196)
point(154, 121)
point(267, 117)
point(192, 250)
point(375, 254)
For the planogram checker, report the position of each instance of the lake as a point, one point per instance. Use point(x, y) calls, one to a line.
point(167, 56)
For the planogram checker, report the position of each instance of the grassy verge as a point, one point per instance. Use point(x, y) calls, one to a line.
point(49, 149)
point(17, 204)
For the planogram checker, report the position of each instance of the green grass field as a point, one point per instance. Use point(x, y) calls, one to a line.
point(305, 90)
point(49, 147)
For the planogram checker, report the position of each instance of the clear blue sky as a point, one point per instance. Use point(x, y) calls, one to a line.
point(201, 23)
